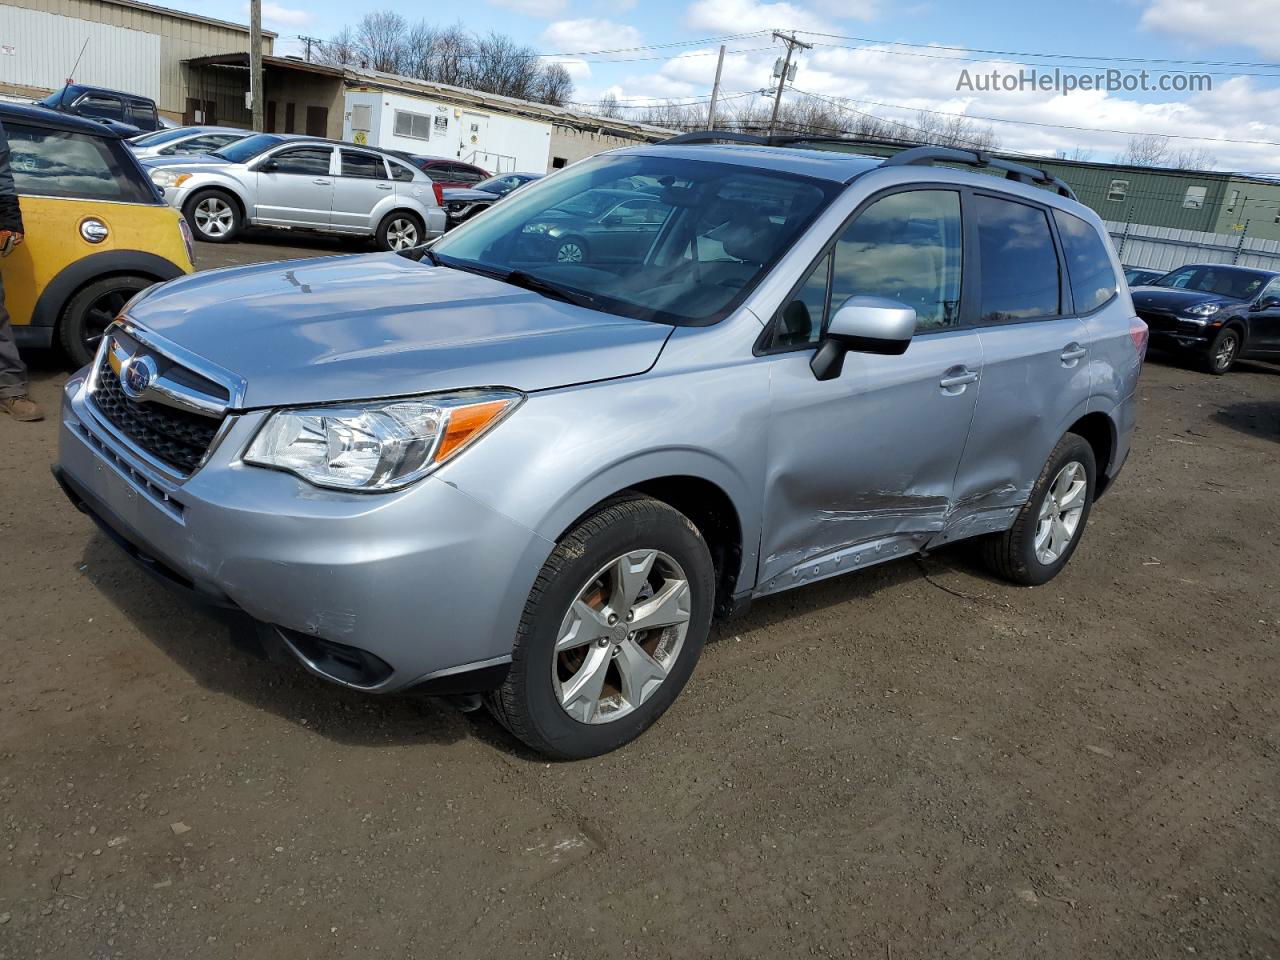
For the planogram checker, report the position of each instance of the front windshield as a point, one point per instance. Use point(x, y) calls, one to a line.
point(160, 136)
point(688, 250)
point(242, 151)
point(1230, 282)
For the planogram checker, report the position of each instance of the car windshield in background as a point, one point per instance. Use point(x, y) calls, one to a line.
point(687, 251)
point(1224, 281)
point(242, 151)
point(160, 136)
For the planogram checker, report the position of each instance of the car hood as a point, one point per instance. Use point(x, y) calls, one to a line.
point(467, 193)
point(1171, 298)
point(362, 327)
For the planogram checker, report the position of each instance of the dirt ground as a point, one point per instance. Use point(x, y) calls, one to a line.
point(913, 761)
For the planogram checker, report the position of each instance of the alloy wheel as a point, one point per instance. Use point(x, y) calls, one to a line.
point(621, 636)
point(402, 233)
point(1060, 512)
point(570, 253)
point(214, 217)
point(1226, 352)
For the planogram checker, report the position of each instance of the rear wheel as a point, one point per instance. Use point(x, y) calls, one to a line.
point(1223, 351)
point(1049, 525)
point(611, 632)
point(401, 232)
point(214, 216)
point(91, 311)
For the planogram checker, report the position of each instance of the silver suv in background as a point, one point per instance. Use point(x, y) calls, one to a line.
point(502, 472)
point(302, 183)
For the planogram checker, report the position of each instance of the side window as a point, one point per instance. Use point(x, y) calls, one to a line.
point(362, 165)
point(100, 106)
point(1093, 281)
point(400, 172)
point(906, 247)
point(143, 115)
point(635, 212)
point(1019, 262)
point(803, 318)
point(1118, 190)
point(304, 161)
point(464, 174)
point(51, 163)
point(203, 144)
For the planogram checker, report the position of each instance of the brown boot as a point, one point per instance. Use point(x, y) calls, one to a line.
point(21, 408)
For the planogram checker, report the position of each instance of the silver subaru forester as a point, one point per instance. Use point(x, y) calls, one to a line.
point(638, 394)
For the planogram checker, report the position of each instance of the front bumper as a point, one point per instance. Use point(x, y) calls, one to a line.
point(428, 581)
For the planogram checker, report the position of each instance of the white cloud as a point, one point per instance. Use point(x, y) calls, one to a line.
point(278, 14)
point(575, 36)
point(1249, 23)
point(743, 16)
point(542, 9)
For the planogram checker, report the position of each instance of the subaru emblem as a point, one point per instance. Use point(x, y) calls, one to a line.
point(136, 376)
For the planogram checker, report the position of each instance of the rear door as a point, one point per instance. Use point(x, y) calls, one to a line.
point(1035, 375)
point(296, 188)
point(362, 183)
point(861, 467)
point(1264, 321)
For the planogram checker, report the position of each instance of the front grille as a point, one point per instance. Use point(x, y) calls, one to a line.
point(174, 437)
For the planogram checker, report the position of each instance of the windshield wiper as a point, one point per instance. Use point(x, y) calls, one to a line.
point(536, 284)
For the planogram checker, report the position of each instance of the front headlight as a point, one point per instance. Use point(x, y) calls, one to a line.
point(377, 446)
point(1204, 309)
point(167, 178)
point(536, 228)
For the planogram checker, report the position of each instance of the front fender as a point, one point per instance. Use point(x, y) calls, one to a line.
point(93, 267)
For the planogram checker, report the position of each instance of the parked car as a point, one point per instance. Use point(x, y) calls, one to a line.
point(463, 203)
point(541, 479)
point(1139, 276)
point(185, 141)
point(125, 113)
point(596, 226)
point(1216, 312)
point(283, 180)
point(448, 173)
point(97, 231)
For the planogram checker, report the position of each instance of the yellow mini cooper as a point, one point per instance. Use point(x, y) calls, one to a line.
point(97, 230)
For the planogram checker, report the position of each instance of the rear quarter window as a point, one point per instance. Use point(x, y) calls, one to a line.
point(55, 163)
point(1019, 261)
point(1093, 280)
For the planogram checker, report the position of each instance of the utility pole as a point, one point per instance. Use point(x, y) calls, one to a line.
point(787, 73)
point(255, 62)
point(310, 42)
point(715, 92)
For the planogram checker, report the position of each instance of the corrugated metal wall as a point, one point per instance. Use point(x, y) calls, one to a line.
point(1165, 248)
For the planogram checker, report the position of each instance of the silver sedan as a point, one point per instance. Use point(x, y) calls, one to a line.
point(185, 141)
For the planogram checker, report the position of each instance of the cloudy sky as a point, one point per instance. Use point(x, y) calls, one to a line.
point(895, 58)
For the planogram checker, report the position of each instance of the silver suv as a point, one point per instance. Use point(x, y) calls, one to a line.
point(302, 183)
point(504, 473)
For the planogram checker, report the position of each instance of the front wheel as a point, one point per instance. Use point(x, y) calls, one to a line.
point(214, 216)
point(571, 250)
point(1223, 351)
point(1049, 525)
point(91, 311)
point(611, 632)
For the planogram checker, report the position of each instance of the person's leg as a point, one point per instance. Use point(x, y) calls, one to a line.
point(13, 373)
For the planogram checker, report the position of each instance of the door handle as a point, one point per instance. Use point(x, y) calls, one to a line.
point(1072, 352)
point(384, 186)
point(321, 181)
point(958, 377)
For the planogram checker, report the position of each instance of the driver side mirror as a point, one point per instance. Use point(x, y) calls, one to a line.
point(1267, 303)
point(867, 325)
point(266, 166)
point(612, 220)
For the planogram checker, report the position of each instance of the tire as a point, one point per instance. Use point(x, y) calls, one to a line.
point(214, 216)
point(89, 313)
point(571, 250)
point(1223, 352)
point(399, 232)
point(536, 702)
point(1015, 554)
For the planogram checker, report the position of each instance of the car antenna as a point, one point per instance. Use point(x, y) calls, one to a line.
point(62, 100)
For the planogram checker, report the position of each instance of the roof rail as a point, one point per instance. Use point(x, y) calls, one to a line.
point(927, 156)
point(720, 136)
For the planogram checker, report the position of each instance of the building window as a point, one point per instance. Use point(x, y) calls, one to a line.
point(417, 125)
point(1235, 196)
point(1117, 190)
point(558, 163)
point(1194, 198)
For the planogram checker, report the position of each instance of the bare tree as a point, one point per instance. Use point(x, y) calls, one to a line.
point(340, 50)
point(380, 40)
point(1080, 154)
point(554, 86)
point(1193, 158)
point(1154, 150)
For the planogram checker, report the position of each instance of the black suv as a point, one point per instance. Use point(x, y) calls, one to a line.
point(1217, 311)
point(126, 113)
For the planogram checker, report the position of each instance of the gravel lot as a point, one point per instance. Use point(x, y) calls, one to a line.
point(913, 761)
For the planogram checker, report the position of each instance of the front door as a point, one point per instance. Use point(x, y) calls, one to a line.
point(861, 467)
point(362, 183)
point(1264, 321)
point(295, 187)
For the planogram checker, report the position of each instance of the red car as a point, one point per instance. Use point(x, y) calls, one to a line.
point(449, 173)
